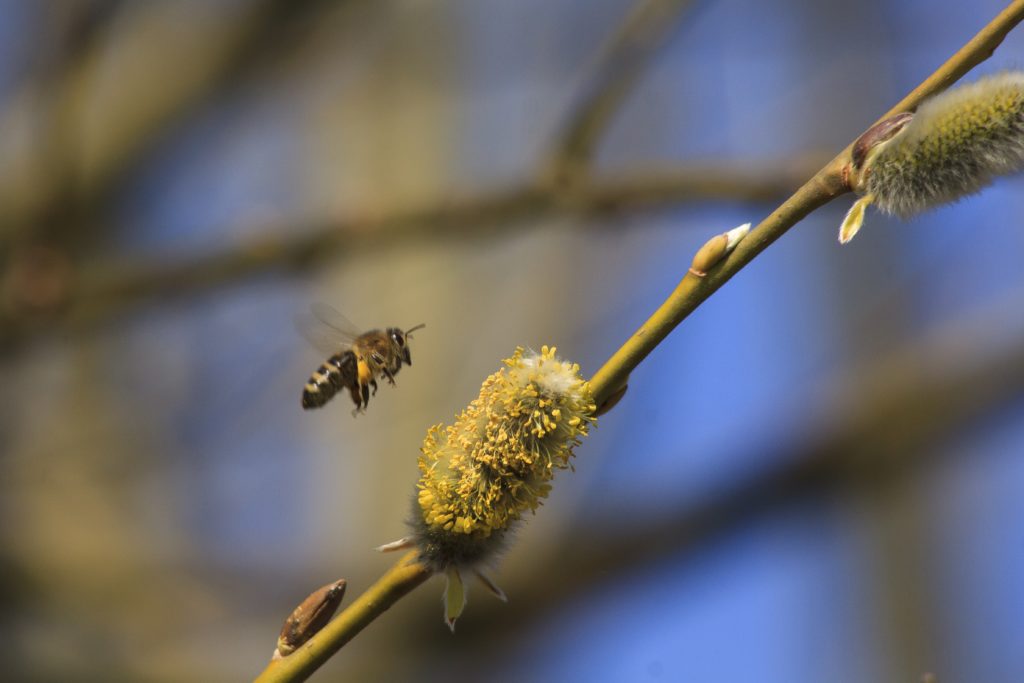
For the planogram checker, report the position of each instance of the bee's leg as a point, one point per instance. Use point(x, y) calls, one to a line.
point(366, 394)
point(353, 391)
point(373, 383)
point(389, 375)
point(381, 366)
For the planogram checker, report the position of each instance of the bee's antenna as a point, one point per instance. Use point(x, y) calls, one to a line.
point(413, 329)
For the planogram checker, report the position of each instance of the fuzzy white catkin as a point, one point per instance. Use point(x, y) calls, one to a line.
point(956, 144)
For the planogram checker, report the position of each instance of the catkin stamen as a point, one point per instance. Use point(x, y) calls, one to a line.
point(479, 475)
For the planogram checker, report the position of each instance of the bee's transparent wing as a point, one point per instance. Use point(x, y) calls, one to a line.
point(325, 328)
point(330, 316)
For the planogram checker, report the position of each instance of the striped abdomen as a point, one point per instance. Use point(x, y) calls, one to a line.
point(339, 372)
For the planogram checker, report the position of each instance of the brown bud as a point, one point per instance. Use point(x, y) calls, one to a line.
point(611, 401)
point(711, 253)
point(309, 617)
point(878, 134)
point(716, 248)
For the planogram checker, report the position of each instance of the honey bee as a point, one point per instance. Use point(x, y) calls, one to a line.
point(356, 360)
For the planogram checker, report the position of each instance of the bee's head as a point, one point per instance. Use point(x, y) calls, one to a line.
point(400, 340)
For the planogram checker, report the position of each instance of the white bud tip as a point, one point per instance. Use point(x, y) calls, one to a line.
point(734, 236)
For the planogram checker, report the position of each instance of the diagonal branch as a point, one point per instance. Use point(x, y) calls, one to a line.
point(881, 430)
point(402, 578)
point(827, 184)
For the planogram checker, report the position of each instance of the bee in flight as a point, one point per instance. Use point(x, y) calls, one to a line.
point(356, 359)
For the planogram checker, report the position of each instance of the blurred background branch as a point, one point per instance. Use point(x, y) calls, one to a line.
point(124, 74)
point(53, 279)
point(619, 65)
point(90, 294)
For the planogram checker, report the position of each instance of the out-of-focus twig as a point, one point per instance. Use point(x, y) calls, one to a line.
point(90, 119)
point(37, 182)
point(105, 289)
point(619, 67)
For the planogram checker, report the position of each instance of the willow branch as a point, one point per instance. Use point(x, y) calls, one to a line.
point(620, 66)
point(827, 184)
point(403, 577)
point(883, 429)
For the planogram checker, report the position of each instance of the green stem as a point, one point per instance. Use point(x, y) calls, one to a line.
point(826, 185)
point(692, 291)
point(405, 575)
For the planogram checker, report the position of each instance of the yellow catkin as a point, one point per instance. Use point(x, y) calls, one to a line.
point(482, 472)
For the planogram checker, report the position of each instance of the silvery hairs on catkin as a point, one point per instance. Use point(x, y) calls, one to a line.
point(954, 145)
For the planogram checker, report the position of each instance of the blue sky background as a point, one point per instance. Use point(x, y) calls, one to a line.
point(167, 502)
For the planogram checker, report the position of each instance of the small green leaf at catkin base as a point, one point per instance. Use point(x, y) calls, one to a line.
point(454, 597)
point(854, 219)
